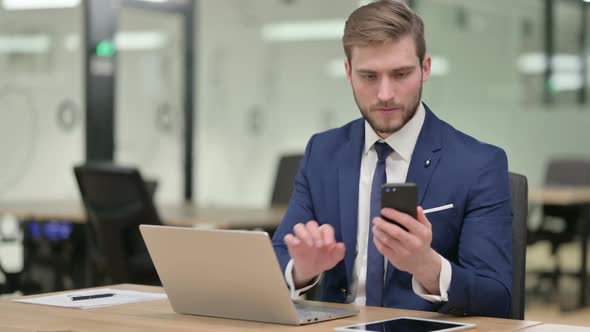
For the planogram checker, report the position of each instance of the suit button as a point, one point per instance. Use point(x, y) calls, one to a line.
point(343, 291)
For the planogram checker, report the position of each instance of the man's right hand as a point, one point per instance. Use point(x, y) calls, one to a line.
point(314, 250)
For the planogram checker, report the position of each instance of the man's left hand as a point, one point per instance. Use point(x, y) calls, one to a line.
point(409, 250)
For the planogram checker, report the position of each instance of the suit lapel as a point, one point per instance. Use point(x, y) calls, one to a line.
point(424, 161)
point(349, 161)
point(426, 154)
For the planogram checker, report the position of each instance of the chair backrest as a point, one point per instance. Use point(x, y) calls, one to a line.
point(117, 201)
point(568, 172)
point(283, 185)
point(519, 194)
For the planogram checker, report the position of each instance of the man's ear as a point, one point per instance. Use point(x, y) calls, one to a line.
point(348, 70)
point(426, 66)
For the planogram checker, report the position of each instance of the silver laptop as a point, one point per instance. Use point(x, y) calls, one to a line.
point(229, 274)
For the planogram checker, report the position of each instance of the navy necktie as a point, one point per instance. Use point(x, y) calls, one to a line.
point(375, 262)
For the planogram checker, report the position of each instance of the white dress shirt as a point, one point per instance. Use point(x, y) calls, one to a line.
point(397, 164)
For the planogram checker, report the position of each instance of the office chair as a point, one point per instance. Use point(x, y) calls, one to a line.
point(559, 224)
point(519, 196)
point(284, 178)
point(117, 200)
point(11, 244)
point(283, 184)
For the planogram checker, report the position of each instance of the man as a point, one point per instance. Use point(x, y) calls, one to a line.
point(454, 261)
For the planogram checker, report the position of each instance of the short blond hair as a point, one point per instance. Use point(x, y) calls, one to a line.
point(381, 22)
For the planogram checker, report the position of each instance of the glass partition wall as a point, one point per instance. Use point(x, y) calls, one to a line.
point(41, 102)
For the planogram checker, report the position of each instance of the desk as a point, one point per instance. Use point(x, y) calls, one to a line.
point(571, 197)
point(555, 327)
point(182, 214)
point(158, 316)
point(560, 195)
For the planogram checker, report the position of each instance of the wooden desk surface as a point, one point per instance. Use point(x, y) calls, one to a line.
point(556, 327)
point(172, 214)
point(560, 195)
point(159, 316)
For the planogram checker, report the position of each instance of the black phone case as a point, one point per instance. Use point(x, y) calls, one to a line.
point(400, 196)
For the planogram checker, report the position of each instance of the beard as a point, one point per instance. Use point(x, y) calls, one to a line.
point(389, 127)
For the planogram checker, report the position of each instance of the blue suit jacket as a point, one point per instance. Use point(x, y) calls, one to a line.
point(475, 236)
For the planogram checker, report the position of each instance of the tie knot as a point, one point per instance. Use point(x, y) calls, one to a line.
point(383, 150)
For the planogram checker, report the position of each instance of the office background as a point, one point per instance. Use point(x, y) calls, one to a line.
point(268, 74)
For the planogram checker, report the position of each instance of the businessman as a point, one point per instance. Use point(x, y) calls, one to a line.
point(456, 261)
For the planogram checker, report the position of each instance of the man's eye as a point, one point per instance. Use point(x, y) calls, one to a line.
point(402, 75)
point(370, 77)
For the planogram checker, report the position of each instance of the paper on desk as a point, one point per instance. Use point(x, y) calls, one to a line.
point(120, 297)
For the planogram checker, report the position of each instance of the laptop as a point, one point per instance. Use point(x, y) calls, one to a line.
point(228, 274)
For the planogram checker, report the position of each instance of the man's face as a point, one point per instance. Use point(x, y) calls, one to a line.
point(387, 82)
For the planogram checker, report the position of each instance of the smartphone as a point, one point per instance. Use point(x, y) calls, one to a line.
point(402, 197)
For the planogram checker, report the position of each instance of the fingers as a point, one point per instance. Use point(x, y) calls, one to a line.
point(420, 227)
point(313, 248)
point(313, 230)
point(302, 233)
point(291, 241)
point(327, 234)
point(422, 218)
point(393, 236)
point(337, 252)
point(390, 249)
point(314, 235)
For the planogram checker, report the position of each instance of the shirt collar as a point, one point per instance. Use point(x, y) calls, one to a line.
point(402, 141)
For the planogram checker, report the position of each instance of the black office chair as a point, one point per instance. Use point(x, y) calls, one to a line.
point(559, 224)
point(519, 195)
point(283, 185)
point(117, 201)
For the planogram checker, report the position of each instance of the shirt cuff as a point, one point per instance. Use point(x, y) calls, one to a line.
point(444, 284)
point(295, 293)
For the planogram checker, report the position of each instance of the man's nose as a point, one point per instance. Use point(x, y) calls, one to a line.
point(386, 90)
